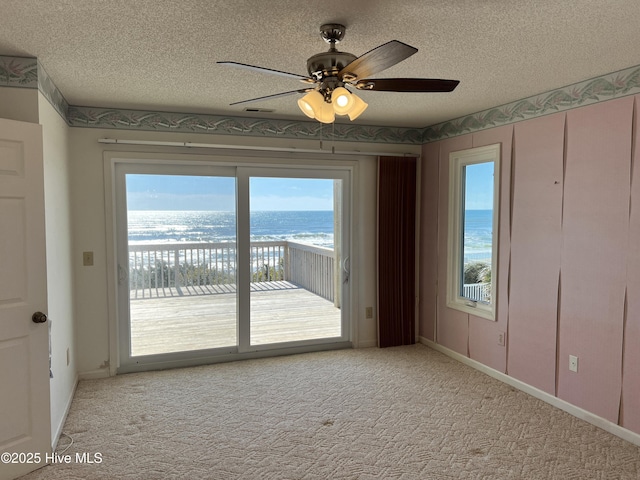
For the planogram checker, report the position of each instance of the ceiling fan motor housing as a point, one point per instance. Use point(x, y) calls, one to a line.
point(328, 64)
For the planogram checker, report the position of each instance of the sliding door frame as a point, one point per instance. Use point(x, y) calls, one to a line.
point(122, 255)
point(221, 164)
point(244, 176)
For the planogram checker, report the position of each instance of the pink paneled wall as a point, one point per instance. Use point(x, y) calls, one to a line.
point(536, 238)
point(452, 326)
point(630, 408)
point(429, 239)
point(569, 257)
point(595, 231)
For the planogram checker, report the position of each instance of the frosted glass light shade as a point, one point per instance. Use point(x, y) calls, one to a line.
point(325, 114)
point(306, 108)
point(311, 103)
point(359, 106)
point(342, 100)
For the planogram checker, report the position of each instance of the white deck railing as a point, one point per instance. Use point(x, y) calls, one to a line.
point(176, 265)
point(478, 292)
point(311, 267)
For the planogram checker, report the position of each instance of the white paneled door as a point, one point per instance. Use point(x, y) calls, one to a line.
point(25, 419)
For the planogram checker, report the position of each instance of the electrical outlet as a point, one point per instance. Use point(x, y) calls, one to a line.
point(501, 339)
point(573, 363)
point(87, 259)
point(369, 312)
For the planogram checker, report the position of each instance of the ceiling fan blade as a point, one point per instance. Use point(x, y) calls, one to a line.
point(407, 85)
point(276, 95)
point(267, 70)
point(378, 59)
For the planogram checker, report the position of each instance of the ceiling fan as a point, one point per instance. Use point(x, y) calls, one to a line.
point(331, 72)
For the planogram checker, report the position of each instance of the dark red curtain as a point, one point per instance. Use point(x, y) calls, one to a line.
point(396, 250)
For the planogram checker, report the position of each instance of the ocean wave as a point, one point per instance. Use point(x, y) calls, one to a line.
point(312, 227)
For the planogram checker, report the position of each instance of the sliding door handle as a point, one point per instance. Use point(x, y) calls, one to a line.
point(123, 274)
point(346, 267)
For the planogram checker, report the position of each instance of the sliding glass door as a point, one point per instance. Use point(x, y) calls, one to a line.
point(181, 251)
point(226, 261)
point(176, 230)
point(294, 223)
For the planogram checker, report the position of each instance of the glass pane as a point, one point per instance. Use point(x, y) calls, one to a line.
point(477, 232)
point(294, 226)
point(182, 263)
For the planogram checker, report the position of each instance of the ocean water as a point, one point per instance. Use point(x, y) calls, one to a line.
point(478, 228)
point(164, 226)
point(313, 227)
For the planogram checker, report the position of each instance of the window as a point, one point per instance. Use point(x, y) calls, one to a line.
point(473, 239)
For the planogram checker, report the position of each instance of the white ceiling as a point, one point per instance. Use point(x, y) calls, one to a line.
point(161, 54)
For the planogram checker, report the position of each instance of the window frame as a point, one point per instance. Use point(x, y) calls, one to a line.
point(457, 161)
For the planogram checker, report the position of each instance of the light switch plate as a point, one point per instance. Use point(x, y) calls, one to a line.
point(87, 259)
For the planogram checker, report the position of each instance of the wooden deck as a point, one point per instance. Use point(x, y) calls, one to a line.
point(194, 318)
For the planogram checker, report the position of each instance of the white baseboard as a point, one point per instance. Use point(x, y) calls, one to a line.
point(58, 429)
point(94, 374)
point(578, 412)
point(367, 344)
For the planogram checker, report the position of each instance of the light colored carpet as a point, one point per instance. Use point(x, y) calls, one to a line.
point(397, 413)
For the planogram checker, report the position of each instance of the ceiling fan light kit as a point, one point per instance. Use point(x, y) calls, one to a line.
point(325, 114)
point(341, 98)
point(359, 106)
point(314, 105)
point(343, 102)
point(331, 72)
point(311, 102)
point(347, 103)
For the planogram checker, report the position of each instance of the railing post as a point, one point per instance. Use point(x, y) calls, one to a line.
point(178, 274)
point(287, 262)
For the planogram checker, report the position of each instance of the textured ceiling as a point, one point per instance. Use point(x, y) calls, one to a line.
point(161, 54)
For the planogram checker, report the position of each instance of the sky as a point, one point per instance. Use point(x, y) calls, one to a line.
point(187, 192)
point(479, 186)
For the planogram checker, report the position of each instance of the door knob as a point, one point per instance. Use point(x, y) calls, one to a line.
point(39, 317)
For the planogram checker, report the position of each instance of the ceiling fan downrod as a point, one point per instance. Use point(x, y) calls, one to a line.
point(332, 33)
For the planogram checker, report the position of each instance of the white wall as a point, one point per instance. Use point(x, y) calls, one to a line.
point(90, 230)
point(60, 294)
point(19, 104)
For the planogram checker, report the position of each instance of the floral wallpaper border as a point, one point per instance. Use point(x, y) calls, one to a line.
point(194, 123)
point(613, 85)
point(19, 72)
point(25, 72)
point(51, 93)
